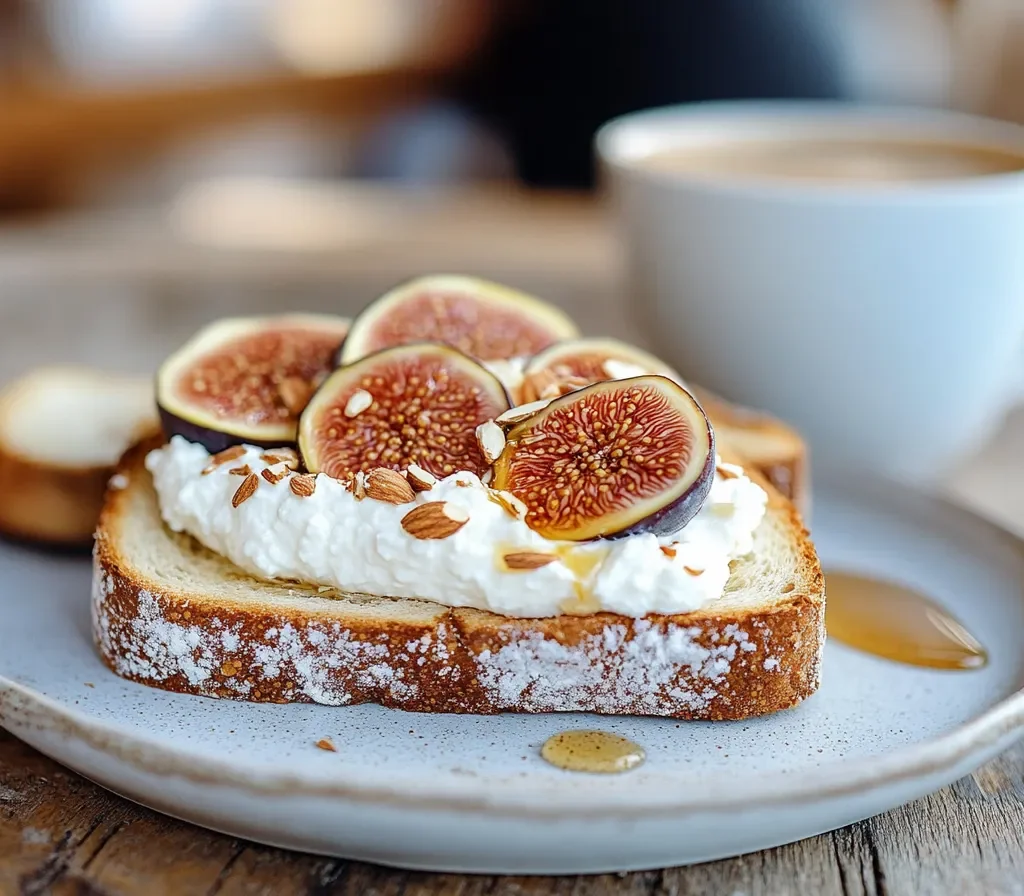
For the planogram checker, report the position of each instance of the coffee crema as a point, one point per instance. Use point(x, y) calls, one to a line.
point(863, 161)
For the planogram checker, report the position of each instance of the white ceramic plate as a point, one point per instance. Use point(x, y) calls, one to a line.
point(467, 793)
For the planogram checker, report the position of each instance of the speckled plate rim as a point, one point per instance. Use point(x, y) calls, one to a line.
point(21, 707)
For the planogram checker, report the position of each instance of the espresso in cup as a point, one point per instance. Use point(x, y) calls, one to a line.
point(836, 160)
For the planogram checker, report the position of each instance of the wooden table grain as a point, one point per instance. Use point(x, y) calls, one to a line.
point(67, 296)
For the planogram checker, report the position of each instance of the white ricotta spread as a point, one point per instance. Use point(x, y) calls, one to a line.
point(333, 540)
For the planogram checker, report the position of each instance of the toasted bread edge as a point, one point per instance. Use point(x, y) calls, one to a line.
point(307, 649)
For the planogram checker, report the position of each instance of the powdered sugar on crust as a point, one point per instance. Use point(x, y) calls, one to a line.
point(652, 670)
point(450, 663)
point(319, 662)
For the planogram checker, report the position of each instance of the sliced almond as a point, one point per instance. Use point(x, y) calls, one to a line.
point(272, 477)
point(388, 485)
point(528, 560)
point(358, 402)
point(491, 439)
point(359, 486)
point(325, 743)
point(223, 457)
point(668, 551)
point(621, 370)
point(511, 503)
point(521, 412)
point(243, 470)
point(294, 393)
point(246, 490)
point(303, 485)
point(281, 456)
point(421, 480)
point(694, 572)
point(724, 473)
point(539, 384)
point(436, 519)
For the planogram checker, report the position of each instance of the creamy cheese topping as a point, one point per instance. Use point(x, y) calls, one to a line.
point(332, 539)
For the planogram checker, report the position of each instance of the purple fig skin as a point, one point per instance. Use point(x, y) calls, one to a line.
point(675, 516)
point(211, 439)
point(184, 414)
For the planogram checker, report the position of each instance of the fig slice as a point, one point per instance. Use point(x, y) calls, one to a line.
point(425, 403)
point(245, 380)
point(569, 365)
point(485, 320)
point(612, 459)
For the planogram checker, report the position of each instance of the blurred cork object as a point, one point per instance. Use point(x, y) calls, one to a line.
point(326, 60)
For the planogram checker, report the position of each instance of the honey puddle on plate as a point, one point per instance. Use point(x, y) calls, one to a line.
point(881, 618)
point(897, 623)
point(592, 751)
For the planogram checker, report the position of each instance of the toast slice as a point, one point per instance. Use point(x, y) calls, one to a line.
point(763, 442)
point(167, 612)
point(62, 431)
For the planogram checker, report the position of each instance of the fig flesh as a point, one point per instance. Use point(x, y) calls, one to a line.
point(612, 459)
point(485, 320)
point(245, 380)
point(574, 363)
point(412, 404)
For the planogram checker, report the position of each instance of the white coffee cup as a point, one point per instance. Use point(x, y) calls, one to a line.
point(884, 319)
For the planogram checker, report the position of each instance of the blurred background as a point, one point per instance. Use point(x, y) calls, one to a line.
point(167, 162)
point(127, 102)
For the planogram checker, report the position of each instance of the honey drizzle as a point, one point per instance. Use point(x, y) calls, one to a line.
point(897, 623)
point(583, 564)
point(599, 752)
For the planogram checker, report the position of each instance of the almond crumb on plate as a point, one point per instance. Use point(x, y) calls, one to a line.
point(325, 743)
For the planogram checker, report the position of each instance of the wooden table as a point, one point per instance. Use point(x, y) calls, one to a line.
point(61, 834)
